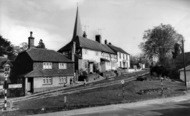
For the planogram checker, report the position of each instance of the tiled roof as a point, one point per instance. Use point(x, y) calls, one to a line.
point(117, 49)
point(67, 47)
point(50, 73)
point(94, 45)
point(88, 44)
point(39, 54)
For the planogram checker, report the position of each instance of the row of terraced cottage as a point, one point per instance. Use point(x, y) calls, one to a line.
point(42, 69)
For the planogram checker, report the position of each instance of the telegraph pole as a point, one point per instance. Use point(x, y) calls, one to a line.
point(184, 63)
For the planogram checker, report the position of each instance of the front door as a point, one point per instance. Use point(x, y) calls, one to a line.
point(30, 85)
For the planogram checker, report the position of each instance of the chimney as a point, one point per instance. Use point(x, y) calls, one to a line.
point(98, 38)
point(84, 35)
point(30, 41)
point(109, 43)
point(105, 42)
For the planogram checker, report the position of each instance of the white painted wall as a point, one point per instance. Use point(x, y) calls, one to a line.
point(95, 56)
point(38, 82)
point(123, 58)
point(91, 55)
point(187, 75)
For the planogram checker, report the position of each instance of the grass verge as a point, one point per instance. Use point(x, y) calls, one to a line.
point(101, 96)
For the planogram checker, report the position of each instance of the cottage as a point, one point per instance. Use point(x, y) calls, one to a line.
point(182, 77)
point(42, 69)
point(93, 55)
point(123, 59)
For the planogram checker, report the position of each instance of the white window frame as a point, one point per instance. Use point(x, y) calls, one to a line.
point(62, 80)
point(47, 65)
point(62, 65)
point(47, 81)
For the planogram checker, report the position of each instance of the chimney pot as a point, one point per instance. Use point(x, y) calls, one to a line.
point(84, 35)
point(31, 33)
point(98, 38)
point(105, 42)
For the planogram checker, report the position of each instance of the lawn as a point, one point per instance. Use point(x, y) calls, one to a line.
point(133, 91)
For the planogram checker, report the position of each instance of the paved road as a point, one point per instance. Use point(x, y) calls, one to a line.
point(175, 106)
point(168, 109)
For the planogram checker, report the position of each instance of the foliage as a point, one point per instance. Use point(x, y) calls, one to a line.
point(177, 50)
point(136, 60)
point(22, 47)
point(6, 48)
point(159, 42)
point(41, 44)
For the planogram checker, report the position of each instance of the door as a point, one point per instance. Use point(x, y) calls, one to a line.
point(30, 85)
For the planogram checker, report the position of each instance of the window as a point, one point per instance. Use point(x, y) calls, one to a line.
point(47, 65)
point(62, 66)
point(123, 56)
point(62, 80)
point(47, 80)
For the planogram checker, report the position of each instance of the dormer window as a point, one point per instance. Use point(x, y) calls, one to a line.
point(47, 65)
point(62, 66)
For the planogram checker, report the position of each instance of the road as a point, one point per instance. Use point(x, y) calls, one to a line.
point(168, 109)
point(175, 106)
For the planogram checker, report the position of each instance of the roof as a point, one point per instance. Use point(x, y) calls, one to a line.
point(40, 54)
point(88, 44)
point(117, 49)
point(94, 45)
point(187, 68)
point(49, 72)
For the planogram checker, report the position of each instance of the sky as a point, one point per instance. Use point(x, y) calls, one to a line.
point(121, 22)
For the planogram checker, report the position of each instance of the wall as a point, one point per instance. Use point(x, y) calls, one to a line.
point(55, 65)
point(95, 56)
point(91, 55)
point(39, 86)
point(187, 75)
point(124, 58)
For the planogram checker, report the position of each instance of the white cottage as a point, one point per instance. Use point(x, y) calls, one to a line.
point(93, 55)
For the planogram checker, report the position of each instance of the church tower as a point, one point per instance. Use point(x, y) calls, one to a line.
point(77, 27)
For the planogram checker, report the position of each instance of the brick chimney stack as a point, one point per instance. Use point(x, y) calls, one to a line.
point(30, 41)
point(98, 38)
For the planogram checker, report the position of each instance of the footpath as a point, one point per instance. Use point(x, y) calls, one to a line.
point(116, 107)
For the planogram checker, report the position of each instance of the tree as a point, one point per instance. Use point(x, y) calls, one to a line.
point(141, 58)
point(177, 50)
point(41, 44)
point(6, 48)
point(159, 42)
point(22, 47)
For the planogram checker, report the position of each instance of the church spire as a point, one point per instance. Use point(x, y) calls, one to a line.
point(77, 28)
